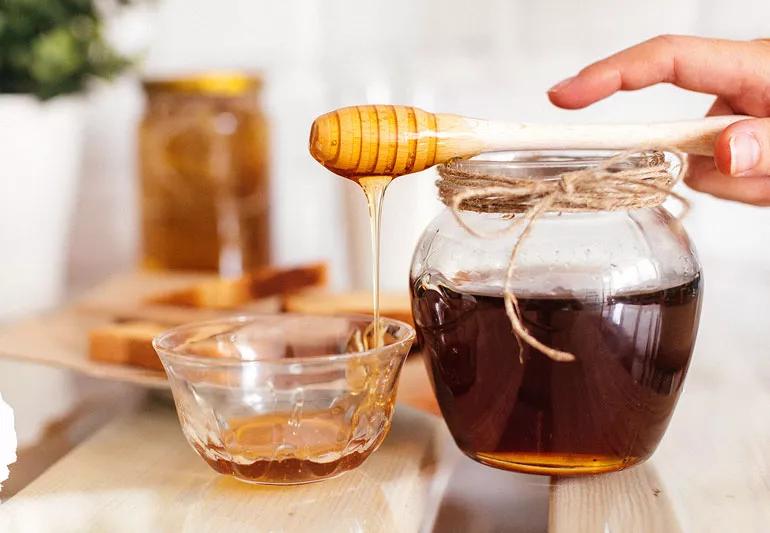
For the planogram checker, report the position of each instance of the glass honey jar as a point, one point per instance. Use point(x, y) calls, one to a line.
point(203, 152)
point(619, 289)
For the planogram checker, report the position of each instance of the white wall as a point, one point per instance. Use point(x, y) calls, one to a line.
point(491, 58)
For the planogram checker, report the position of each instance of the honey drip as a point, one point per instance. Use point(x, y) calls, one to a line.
point(373, 144)
point(374, 189)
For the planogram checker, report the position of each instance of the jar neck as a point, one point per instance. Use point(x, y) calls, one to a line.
point(556, 184)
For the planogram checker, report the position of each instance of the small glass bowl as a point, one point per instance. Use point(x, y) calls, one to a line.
point(275, 399)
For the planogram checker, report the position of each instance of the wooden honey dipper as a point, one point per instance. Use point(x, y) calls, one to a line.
point(392, 140)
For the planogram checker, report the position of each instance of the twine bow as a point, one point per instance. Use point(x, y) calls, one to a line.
point(612, 185)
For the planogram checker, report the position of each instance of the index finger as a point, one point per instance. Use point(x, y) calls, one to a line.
point(715, 66)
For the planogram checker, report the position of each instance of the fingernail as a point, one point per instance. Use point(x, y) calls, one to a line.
point(561, 85)
point(744, 153)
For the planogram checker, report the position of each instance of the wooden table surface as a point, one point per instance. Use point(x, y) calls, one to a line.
point(137, 473)
point(710, 473)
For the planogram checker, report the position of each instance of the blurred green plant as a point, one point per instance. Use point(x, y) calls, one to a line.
point(54, 47)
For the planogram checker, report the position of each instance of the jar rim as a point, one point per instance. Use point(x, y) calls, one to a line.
point(549, 163)
point(217, 83)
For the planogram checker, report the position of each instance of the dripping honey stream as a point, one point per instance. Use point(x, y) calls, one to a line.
point(371, 145)
point(374, 189)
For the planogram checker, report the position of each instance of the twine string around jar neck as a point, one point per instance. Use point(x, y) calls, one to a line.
point(612, 185)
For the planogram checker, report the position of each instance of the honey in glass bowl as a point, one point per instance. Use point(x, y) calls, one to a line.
point(281, 399)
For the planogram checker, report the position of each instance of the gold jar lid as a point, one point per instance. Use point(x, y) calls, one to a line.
point(210, 83)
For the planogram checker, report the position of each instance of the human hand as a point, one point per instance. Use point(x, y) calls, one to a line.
point(736, 72)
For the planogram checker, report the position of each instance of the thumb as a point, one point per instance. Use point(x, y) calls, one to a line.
point(743, 148)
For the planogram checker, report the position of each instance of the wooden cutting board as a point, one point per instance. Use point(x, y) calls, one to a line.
point(139, 474)
point(60, 337)
point(127, 296)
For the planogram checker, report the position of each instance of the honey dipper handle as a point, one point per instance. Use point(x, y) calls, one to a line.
point(690, 136)
point(392, 140)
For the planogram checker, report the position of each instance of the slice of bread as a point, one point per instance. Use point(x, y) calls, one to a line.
point(128, 343)
point(272, 281)
point(231, 293)
point(212, 294)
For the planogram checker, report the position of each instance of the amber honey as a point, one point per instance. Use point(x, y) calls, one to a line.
point(373, 144)
point(515, 408)
point(204, 175)
point(374, 190)
point(373, 187)
point(282, 448)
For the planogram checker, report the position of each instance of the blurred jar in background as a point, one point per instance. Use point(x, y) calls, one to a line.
point(203, 149)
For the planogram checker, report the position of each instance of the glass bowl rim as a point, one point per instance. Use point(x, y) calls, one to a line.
point(165, 351)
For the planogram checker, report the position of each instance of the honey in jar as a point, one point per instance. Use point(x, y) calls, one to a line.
point(203, 146)
point(619, 291)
